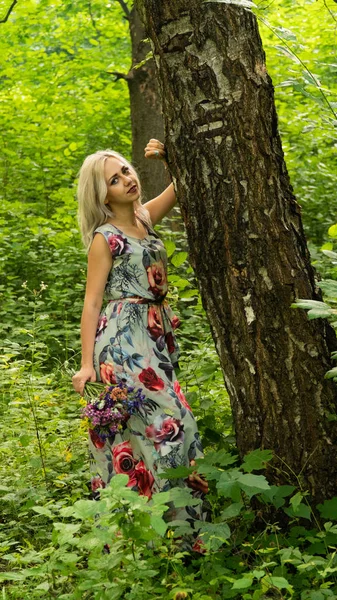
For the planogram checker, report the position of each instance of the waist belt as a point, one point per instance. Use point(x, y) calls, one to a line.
point(140, 300)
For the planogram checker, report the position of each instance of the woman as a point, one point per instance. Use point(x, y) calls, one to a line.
point(132, 339)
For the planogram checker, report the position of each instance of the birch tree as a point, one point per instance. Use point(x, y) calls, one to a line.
point(245, 235)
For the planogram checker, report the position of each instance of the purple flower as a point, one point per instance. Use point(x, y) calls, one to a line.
point(109, 412)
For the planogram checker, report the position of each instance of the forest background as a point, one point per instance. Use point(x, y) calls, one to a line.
point(60, 102)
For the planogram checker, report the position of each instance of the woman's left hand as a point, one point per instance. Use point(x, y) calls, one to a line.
point(155, 149)
point(196, 481)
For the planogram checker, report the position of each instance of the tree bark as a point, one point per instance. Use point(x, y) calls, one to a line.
point(245, 234)
point(146, 114)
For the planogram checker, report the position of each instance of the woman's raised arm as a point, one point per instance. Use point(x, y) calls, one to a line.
point(160, 206)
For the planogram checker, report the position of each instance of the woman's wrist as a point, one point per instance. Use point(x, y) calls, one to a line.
point(87, 365)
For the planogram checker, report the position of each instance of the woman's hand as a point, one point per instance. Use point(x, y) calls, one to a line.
point(196, 481)
point(81, 377)
point(155, 150)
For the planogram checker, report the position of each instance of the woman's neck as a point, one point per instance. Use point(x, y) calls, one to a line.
point(125, 216)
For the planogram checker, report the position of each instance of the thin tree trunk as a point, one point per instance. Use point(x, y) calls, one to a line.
point(146, 115)
point(245, 234)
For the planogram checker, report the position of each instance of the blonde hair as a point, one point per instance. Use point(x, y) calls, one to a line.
point(92, 192)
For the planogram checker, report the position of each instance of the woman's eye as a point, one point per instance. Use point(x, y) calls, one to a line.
point(114, 180)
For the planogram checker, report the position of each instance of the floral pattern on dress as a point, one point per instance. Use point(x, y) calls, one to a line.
point(135, 341)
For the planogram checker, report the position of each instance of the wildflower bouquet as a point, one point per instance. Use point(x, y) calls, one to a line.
point(109, 407)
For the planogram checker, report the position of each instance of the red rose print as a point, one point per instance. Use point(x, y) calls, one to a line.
point(124, 462)
point(181, 397)
point(139, 476)
point(101, 326)
point(97, 483)
point(175, 322)
point(107, 373)
point(157, 278)
point(165, 432)
point(170, 342)
point(96, 440)
point(154, 322)
point(118, 245)
point(145, 479)
point(199, 546)
point(151, 380)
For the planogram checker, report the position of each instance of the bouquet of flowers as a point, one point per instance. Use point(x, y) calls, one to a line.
point(110, 407)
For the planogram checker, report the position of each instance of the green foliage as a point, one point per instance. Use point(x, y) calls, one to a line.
point(59, 103)
point(300, 44)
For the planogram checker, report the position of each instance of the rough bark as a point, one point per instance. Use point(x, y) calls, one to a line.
point(245, 235)
point(145, 106)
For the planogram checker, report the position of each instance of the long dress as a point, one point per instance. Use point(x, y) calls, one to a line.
point(135, 342)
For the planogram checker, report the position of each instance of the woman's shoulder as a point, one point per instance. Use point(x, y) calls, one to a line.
point(105, 228)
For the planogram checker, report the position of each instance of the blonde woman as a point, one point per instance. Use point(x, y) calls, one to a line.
point(132, 339)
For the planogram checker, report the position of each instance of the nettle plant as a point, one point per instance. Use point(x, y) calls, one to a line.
point(147, 556)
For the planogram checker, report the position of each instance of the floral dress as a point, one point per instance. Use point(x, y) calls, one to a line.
point(135, 342)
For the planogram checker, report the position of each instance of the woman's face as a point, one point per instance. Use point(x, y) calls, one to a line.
point(121, 181)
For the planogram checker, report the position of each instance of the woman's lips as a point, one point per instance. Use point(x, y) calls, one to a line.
point(132, 190)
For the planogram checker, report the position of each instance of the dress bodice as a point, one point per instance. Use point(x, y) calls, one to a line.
point(139, 265)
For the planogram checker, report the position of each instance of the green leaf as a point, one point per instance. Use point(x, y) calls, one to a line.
point(161, 498)
point(85, 509)
point(180, 472)
point(253, 484)
point(25, 440)
point(310, 304)
point(243, 583)
point(183, 497)
point(296, 500)
point(43, 510)
point(228, 485)
point(278, 582)
point(221, 457)
point(328, 509)
point(331, 373)
point(179, 258)
point(285, 33)
point(214, 534)
point(276, 494)
point(170, 247)
point(316, 595)
point(332, 231)
point(233, 510)
point(119, 481)
point(159, 524)
point(302, 511)
point(256, 460)
point(330, 254)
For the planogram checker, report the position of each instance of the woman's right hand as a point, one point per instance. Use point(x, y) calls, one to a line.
point(81, 377)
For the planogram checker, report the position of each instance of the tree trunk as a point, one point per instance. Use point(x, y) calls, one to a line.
point(146, 115)
point(245, 235)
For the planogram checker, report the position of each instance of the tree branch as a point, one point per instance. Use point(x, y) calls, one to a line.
point(119, 75)
point(92, 17)
point(9, 12)
point(125, 8)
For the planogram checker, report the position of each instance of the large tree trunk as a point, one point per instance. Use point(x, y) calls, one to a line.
point(245, 234)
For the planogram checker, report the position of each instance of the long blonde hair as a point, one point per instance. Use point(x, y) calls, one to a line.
point(92, 192)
